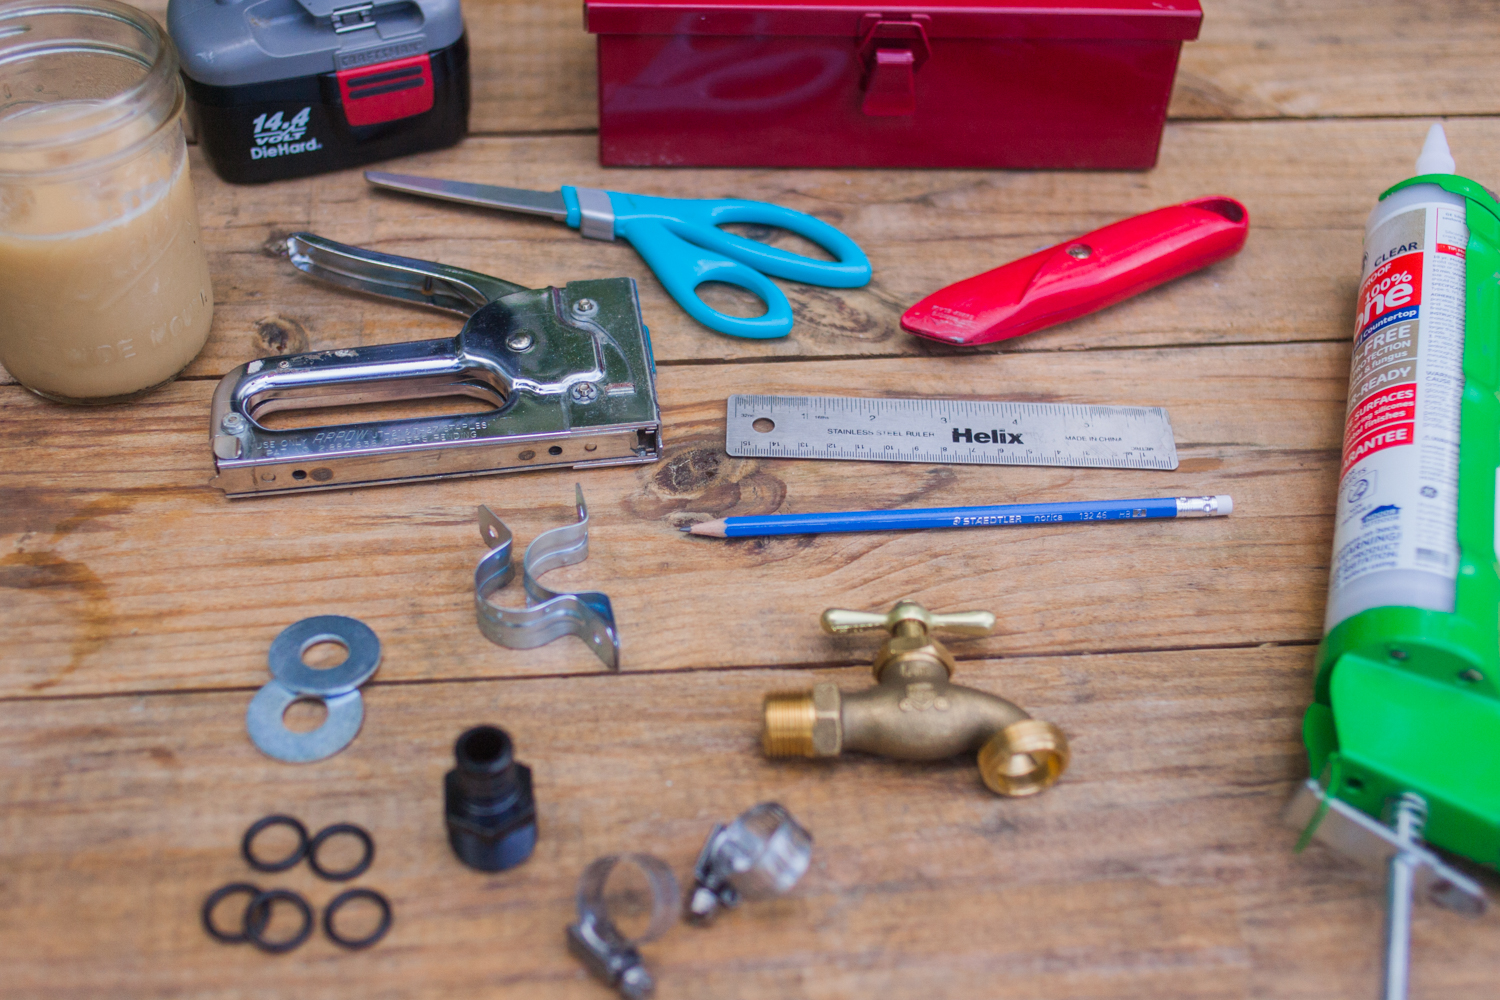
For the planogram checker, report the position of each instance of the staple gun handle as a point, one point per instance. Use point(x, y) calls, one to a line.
point(405, 278)
point(377, 374)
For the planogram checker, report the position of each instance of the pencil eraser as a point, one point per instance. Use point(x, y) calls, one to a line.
point(1226, 504)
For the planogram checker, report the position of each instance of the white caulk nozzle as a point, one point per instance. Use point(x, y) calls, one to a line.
point(1435, 158)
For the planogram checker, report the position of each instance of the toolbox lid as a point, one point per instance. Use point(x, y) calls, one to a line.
point(1073, 19)
point(230, 43)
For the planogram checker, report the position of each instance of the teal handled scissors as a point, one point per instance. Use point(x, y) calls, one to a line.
point(680, 240)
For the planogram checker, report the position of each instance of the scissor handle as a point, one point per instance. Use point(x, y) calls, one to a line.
point(696, 220)
point(682, 267)
point(680, 240)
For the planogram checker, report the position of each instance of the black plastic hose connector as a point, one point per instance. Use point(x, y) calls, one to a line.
point(488, 803)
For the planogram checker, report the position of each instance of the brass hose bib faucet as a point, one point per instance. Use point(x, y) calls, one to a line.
point(912, 712)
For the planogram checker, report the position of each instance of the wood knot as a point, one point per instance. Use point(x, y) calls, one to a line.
point(275, 244)
point(832, 313)
point(698, 478)
point(689, 472)
point(281, 335)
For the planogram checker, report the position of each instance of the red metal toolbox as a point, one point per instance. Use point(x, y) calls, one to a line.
point(842, 83)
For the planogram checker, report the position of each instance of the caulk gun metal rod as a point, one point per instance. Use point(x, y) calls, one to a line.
point(1398, 899)
point(1410, 815)
point(963, 517)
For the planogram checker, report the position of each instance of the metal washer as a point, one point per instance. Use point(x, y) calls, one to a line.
point(286, 651)
point(346, 713)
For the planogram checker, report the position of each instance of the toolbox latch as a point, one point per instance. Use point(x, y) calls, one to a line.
point(386, 91)
point(892, 51)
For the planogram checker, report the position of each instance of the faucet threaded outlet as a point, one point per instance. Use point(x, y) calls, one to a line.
point(789, 720)
point(1023, 758)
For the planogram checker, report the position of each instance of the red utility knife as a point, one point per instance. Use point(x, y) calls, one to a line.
point(1075, 278)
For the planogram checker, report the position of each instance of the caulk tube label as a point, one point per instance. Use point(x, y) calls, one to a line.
point(1395, 536)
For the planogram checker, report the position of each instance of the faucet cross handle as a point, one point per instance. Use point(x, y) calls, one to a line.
point(837, 621)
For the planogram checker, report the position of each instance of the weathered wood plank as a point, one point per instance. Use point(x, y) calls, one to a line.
point(1281, 58)
point(1156, 868)
point(1308, 187)
point(533, 64)
point(123, 571)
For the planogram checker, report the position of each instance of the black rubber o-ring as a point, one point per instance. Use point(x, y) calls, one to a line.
point(258, 915)
point(369, 939)
point(284, 863)
point(218, 896)
point(360, 867)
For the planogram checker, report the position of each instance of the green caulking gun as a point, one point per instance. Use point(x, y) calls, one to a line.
point(1403, 734)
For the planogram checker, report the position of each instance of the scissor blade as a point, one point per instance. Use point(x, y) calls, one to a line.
point(549, 203)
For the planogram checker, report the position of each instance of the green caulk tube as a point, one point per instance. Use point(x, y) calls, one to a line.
point(1403, 735)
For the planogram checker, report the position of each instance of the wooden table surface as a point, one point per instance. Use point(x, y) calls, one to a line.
point(136, 603)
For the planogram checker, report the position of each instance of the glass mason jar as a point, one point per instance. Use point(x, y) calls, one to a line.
point(104, 287)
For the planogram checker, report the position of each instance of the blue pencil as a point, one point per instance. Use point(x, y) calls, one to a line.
point(963, 517)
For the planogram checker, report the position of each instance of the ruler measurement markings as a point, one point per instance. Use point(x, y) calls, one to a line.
point(1071, 433)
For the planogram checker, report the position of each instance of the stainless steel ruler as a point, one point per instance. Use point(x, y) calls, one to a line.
point(950, 431)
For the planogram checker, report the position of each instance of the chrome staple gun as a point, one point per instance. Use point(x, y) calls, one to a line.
point(569, 371)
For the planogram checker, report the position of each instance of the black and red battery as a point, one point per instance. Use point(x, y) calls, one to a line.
point(288, 88)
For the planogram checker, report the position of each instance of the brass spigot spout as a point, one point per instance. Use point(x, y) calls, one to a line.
point(913, 712)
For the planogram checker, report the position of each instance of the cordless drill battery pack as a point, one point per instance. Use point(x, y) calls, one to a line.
point(288, 88)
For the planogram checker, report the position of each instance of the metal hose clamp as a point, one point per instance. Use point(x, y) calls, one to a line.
point(762, 853)
point(598, 943)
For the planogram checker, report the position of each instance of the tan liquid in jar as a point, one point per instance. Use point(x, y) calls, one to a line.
point(104, 309)
point(104, 284)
